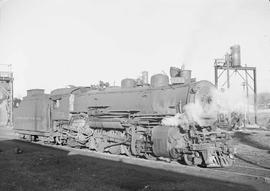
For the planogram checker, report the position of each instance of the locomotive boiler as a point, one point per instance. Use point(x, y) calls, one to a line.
point(137, 119)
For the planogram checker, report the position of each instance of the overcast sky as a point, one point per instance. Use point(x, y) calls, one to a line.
point(53, 43)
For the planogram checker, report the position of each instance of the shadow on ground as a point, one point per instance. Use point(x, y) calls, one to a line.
point(246, 139)
point(44, 168)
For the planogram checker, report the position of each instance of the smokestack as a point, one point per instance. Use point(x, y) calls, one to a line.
point(174, 72)
point(145, 77)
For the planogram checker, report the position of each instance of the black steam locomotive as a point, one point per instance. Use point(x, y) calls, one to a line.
point(137, 119)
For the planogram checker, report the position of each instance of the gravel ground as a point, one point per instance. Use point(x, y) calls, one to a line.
point(26, 166)
point(253, 147)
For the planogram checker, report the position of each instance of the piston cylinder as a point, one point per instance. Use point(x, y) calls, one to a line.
point(165, 140)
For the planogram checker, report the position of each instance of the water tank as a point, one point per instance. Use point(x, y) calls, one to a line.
point(159, 80)
point(128, 83)
point(34, 92)
point(236, 56)
point(186, 74)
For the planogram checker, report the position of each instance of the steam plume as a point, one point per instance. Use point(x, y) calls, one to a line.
point(203, 114)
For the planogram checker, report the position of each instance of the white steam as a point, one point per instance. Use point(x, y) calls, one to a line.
point(198, 113)
point(180, 119)
point(230, 101)
point(205, 114)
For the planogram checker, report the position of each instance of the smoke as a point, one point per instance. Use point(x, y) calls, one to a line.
point(230, 100)
point(196, 113)
point(206, 113)
point(222, 101)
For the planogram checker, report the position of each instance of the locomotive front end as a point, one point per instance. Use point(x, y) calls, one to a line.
point(192, 136)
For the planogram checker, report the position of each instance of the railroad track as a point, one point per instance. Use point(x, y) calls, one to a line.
point(249, 166)
point(251, 171)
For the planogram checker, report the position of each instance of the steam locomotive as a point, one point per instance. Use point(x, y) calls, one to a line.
point(137, 119)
